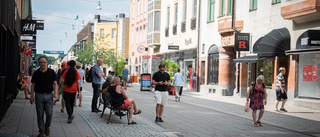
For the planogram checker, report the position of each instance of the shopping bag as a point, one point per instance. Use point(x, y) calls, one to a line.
point(246, 107)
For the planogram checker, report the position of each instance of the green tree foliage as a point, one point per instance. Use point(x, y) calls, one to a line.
point(171, 66)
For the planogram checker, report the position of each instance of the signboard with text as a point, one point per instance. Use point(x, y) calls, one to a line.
point(28, 27)
point(310, 73)
point(242, 41)
point(173, 47)
point(145, 82)
point(53, 52)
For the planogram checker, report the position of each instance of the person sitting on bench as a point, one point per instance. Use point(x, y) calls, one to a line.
point(119, 96)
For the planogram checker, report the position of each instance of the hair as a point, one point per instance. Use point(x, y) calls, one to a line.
point(109, 78)
point(178, 70)
point(64, 65)
point(116, 79)
point(260, 77)
point(281, 69)
point(42, 57)
point(162, 66)
point(125, 66)
point(109, 72)
point(71, 74)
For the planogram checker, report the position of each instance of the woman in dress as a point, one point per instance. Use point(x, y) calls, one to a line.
point(258, 99)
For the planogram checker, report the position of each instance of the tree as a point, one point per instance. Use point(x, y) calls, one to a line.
point(171, 66)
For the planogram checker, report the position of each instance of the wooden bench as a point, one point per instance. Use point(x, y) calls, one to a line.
point(107, 100)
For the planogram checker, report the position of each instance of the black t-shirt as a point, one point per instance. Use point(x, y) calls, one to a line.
point(105, 85)
point(44, 80)
point(161, 77)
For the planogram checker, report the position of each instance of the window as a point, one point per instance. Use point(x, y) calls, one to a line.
point(194, 8)
point(114, 33)
point(140, 34)
point(168, 16)
point(132, 13)
point(137, 36)
point(276, 1)
point(150, 22)
point(157, 21)
point(101, 33)
point(203, 47)
point(176, 14)
point(211, 10)
point(185, 10)
point(213, 69)
point(145, 5)
point(144, 33)
point(131, 37)
point(230, 7)
point(222, 8)
point(138, 10)
point(253, 5)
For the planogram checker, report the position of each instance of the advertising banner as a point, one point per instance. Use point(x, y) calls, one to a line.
point(242, 41)
point(310, 73)
point(145, 82)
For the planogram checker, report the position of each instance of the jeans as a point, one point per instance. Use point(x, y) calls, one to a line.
point(44, 105)
point(69, 99)
point(95, 96)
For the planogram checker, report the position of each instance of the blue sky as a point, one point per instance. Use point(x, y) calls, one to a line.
point(59, 15)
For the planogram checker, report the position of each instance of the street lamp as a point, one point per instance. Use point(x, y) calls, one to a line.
point(99, 7)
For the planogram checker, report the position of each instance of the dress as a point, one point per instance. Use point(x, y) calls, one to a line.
point(256, 100)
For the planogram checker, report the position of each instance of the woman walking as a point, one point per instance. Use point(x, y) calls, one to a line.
point(178, 84)
point(71, 80)
point(257, 93)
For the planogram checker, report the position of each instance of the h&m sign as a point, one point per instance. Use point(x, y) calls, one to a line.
point(28, 27)
point(242, 41)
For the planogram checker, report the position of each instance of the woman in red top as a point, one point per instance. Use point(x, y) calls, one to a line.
point(71, 80)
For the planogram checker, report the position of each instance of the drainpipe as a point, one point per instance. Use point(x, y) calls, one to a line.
point(198, 84)
point(232, 20)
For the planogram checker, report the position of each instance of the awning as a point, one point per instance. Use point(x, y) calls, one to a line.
point(247, 59)
point(275, 43)
point(302, 51)
point(256, 45)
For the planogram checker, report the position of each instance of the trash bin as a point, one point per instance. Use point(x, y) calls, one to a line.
point(145, 82)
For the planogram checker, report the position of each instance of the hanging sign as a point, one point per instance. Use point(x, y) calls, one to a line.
point(242, 41)
point(28, 27)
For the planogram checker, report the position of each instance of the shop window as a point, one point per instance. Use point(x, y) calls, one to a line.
point(213, 69)
point(265, 68)
point(202, 72)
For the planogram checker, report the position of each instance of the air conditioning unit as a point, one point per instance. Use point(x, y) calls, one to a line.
point(183, 26)
point(193, 23)
point(174, 29)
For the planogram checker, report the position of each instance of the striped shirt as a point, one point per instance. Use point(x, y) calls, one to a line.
point(280, 78)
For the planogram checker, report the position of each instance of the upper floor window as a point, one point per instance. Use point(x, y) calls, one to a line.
point(185, 10)
point(221, 7)
point(276, 1)
point(168, 16)
point(194, 8)
point(132, 13)
point(253, 5)
point(211, 10)
point(131, 37)
point(157, 21)
point(176, 14)
point(138, 9)
point(229, 7)
point(114, 33)
point(101, 33)
point(137, 36)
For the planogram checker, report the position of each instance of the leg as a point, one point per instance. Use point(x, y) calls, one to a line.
point(277, 103)
point(67, 99)
point(254, 116)
point(260, 116)
point(39, 101)
point(180, 92)
point(158, 110)
point(283, 103)
point(130, 113)
point(161, 110)
point(133, 104)
point(48, 110)
point(176, 94)
point(80, 99)
point(25, 88)
point(95, 97)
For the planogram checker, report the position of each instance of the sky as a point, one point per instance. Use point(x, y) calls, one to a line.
point(59, 16)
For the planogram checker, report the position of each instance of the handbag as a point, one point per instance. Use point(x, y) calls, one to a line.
point(246, 107)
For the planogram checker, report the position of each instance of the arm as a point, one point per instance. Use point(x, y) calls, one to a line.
point(55, 85)
point(60, 84)
point(248, 93)
point(265, 96)
point(32, 92)
point(122, 92)
point(280, 85)
point(78, 87)
point(156, 83)
point(105, 90)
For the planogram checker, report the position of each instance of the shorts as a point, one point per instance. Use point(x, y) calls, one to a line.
point(161, 97)
point(280, 95)
point(125, 79)
point(125, 105)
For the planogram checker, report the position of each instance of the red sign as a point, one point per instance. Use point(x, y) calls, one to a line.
point(28, 51)
point(156, 57)
point(146, 77)
point(145, 57)
point(190, 71)
point(310, 73)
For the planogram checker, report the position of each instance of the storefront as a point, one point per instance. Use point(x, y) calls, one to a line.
point(308, 53)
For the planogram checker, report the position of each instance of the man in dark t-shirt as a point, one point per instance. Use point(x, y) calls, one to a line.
point(161, 79)
point(44, 81)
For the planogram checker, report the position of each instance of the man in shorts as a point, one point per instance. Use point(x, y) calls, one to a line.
point(161, 79)
point(280, 90)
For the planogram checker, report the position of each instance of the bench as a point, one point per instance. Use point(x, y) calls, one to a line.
point(106, 100)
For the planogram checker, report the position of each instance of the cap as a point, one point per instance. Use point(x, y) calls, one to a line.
point(78, 64)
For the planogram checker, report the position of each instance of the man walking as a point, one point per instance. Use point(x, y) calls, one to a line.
point(96, 82)
point(280, 90)
point(178, 84)
point(125, 73)
point(161, 79)
point(43, 81)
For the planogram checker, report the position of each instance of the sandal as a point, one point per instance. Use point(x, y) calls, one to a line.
point(62, 110)
point(260, 124)
point(255, 124)
point(139, 112)
point(133, 122)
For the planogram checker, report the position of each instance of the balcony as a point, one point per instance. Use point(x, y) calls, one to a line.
point(305, 11)
point(183, 26)
point(174, 29)
point(225, 24)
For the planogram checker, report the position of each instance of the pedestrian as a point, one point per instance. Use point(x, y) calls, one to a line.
point(44, 81)
point(71, 79)
point(161, 79)
point(125, 73)
point(258, 99)
point(280, 90)
point(96, 81)
point(178, 84)
point(79, 95)
point(109, 73)
point(64, 67)
point(21, 84)
point(119, 96)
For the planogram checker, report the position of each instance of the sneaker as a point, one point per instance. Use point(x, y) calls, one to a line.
point(70, 119)
point(284, 110)
point(157, 119)
point(276, 110)
point(160, 119)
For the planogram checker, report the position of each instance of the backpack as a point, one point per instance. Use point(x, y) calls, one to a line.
point(89, 76)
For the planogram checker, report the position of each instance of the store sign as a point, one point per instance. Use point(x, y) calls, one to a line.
point(173, 47)
point(242, 41)
point(26, 38)
point(28, 27)
point(310, 73)
point(145, 57)
point(156, 57)
point(53, 52)
point(141, 49)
